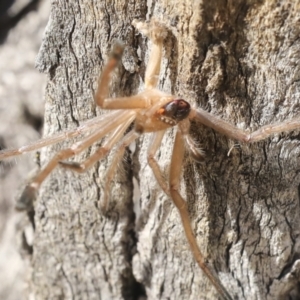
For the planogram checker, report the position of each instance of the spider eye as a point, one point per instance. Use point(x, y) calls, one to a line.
point(177, 109)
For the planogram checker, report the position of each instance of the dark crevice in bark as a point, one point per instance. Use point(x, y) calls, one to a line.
point(108, 22)
point(25, 245)
point(131, 289)
point(2, 162)
point(69, 283)
point(2, 144)
point(287, 269)
point(8, 22)
point(34, 120)
point(240, 285)
point(72, 115)
point(294, 294)
point(31, 214)
point(51, 67)
point(299, 194)
point(227, 255)
point(173, 66)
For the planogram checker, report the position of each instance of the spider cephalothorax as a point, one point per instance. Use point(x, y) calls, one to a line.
point(175, 111)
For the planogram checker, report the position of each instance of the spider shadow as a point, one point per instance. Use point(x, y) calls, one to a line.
point(155, 214)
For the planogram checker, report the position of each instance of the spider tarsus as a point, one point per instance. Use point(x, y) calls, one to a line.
point(154, 29)
point(25, 201)
point(117, 50)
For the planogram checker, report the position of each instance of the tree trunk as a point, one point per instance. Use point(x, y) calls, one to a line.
point(238, 60)
point(22, 25)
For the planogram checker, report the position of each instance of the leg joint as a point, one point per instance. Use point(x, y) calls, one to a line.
point(174, 187)
point(150, 158)
point(65, 153)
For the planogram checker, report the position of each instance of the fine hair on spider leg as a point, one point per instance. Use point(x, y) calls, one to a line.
point(234, 146)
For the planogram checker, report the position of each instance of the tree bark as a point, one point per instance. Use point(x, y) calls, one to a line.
point(22, 25)
point(238, 60)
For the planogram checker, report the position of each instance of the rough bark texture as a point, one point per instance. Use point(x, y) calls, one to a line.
point(237, 59)
point(22, 24)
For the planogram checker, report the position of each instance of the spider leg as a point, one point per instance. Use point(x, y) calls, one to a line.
point(233, 132)
point(126, 141)
point(219, 125)
point(267, 130)
point(153, 147)
point(101, 96)
point(30, 190)
point(156, 32)
point(195, 152)
point(180, 203)
point(101, 152)
point(87, 126)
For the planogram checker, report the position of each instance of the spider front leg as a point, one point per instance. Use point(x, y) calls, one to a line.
point(125, 142)
point(29, 193)
point(153, 147)
point(156, 32)
point(180, 203)
point(101, 96)
point(233, 132)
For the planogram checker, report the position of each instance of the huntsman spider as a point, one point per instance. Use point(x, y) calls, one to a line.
point(151, 111)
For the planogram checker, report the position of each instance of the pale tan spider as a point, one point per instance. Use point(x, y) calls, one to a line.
point(150, 111)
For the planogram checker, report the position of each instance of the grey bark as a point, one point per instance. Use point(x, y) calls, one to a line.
point(22, 25)
point(237, 59)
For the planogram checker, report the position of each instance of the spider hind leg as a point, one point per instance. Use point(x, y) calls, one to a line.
point(125, 142)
